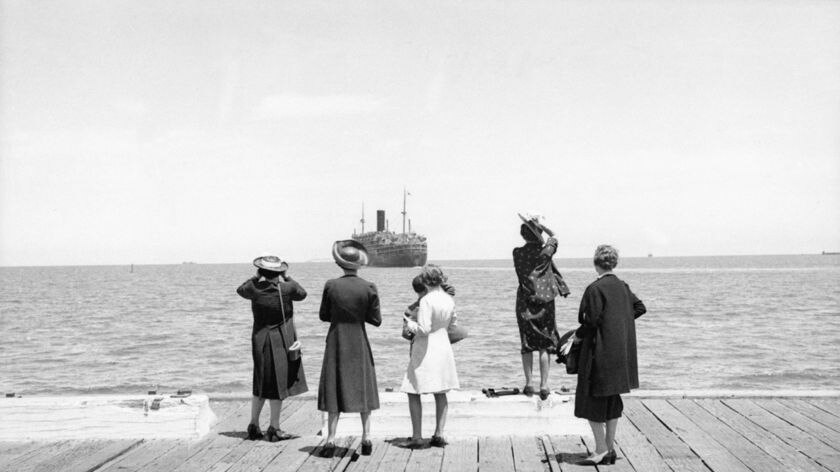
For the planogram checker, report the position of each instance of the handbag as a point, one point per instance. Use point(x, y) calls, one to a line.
point(293, 351)
point(573, 358)
point(409, 312)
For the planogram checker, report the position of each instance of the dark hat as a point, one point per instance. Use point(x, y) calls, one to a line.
point(532, 224)
point(349, 254)
point(272, 263)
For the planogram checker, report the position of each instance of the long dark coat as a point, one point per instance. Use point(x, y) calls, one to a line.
point(348, 376)
point(607, 315)
point(275, 375)
point(534, 271)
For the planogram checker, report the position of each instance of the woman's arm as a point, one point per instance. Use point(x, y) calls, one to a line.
point(324, 312)
point(589, 315)
point(548, 249)
point(639, 308)
point(247, 289)
point(297, 292)
point(373, 315)
point(423, 325)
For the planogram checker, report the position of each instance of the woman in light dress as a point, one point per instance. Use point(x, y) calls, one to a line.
point(431, 368)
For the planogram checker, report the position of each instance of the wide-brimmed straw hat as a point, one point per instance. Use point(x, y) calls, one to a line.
point(349, 254)
point(272, 263)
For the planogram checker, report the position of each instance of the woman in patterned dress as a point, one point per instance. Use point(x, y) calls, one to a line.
point(539, 283)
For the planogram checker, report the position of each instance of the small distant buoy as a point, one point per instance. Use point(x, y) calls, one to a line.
point(152, 392)
point(10, 395)
point(389, 389)
point(564, 389)
point(184, 391)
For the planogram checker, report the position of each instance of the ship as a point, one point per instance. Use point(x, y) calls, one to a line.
point(390, 249)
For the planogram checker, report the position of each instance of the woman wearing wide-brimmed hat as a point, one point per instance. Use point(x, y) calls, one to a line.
point(348, 377)
point(278, 372)
point(539, 284)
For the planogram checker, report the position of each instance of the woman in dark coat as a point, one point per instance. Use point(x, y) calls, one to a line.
point(348, 377)
point(535, 295)
point(608, 366)
point(277, 366)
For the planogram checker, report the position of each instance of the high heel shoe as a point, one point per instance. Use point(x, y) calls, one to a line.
point(367, 447)
point(328, 450)
point(254, 432)
point(544, 393)
point(609, 459)
point(594, 459)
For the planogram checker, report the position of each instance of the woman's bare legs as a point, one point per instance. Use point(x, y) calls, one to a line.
point(415, 410)
point(599, 432)
point(528, 366)
point(612, 425)
point(256, 408)
point(365, 424)
point(441, 407)
point(544, 369)
point(332, 424)
point(274, 413)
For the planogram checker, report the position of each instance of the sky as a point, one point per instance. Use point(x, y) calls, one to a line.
point(154, 132)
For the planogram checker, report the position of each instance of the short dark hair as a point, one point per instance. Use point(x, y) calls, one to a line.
point(417, 284)
point(606, 257)
point(269, 274)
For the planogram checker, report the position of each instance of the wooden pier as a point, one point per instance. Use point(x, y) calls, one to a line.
point(725, 434)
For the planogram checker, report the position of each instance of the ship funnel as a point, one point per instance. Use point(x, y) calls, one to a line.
point(380, 220)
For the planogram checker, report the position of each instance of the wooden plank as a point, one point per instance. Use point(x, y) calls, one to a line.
point(257, 458)
point(704, 445)
point(619, 466)
point(460, 455)
point(803, 422)
point(495, 454)
point(352, 453)
point(529, 454)
point(208, 455)
point(812, 411)
point(314, 463)
point(752, 456)
point(830, 405)
point(635, 448)
point(801, 441)
point(29, 461)
point(139, 456)
point(13, 450)
point(174, 457)
point(235, 453)
point(568, 451)
point(425, 460)
point(762, 438)
point(548, 449)
point(395, 458)
point(295, 453)
point(674, 452)
point(305, 420)
point(371, 462)
point(84, 459)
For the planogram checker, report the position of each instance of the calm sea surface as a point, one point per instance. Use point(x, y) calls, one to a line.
point(713, 322)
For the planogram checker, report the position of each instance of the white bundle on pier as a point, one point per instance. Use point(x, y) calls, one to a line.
point(105, 417)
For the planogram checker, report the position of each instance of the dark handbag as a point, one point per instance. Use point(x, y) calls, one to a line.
point(409, 312)
point(573, 359)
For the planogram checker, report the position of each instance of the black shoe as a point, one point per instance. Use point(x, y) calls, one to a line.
point(594, 459)
point(438, 441)
point(609, 459)
point(328, 450)
point(367, 447)
point(528, 390)
point(544, 393)
point(274, 435)
point(254, 432)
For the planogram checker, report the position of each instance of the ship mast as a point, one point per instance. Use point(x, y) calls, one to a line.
point(403, 212)
point(363, 218)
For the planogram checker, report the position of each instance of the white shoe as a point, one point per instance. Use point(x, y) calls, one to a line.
point(593, 459)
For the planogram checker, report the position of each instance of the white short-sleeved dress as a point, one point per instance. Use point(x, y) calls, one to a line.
point(431, 368)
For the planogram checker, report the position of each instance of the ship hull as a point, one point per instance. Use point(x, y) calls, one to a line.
point(393, 254)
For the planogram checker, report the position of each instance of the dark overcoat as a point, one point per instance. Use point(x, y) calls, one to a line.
point(607, 315)
point(348, 377)
point(275, 375)
point(535, 273)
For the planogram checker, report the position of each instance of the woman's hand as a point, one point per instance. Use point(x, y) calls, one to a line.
point(576, 339)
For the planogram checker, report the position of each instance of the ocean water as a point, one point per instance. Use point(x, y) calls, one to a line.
point(741, 322)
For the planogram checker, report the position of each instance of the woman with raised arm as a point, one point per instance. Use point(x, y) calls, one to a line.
point(278, 373)
point(607, 364)
point(348, 377)
point(539, 284)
